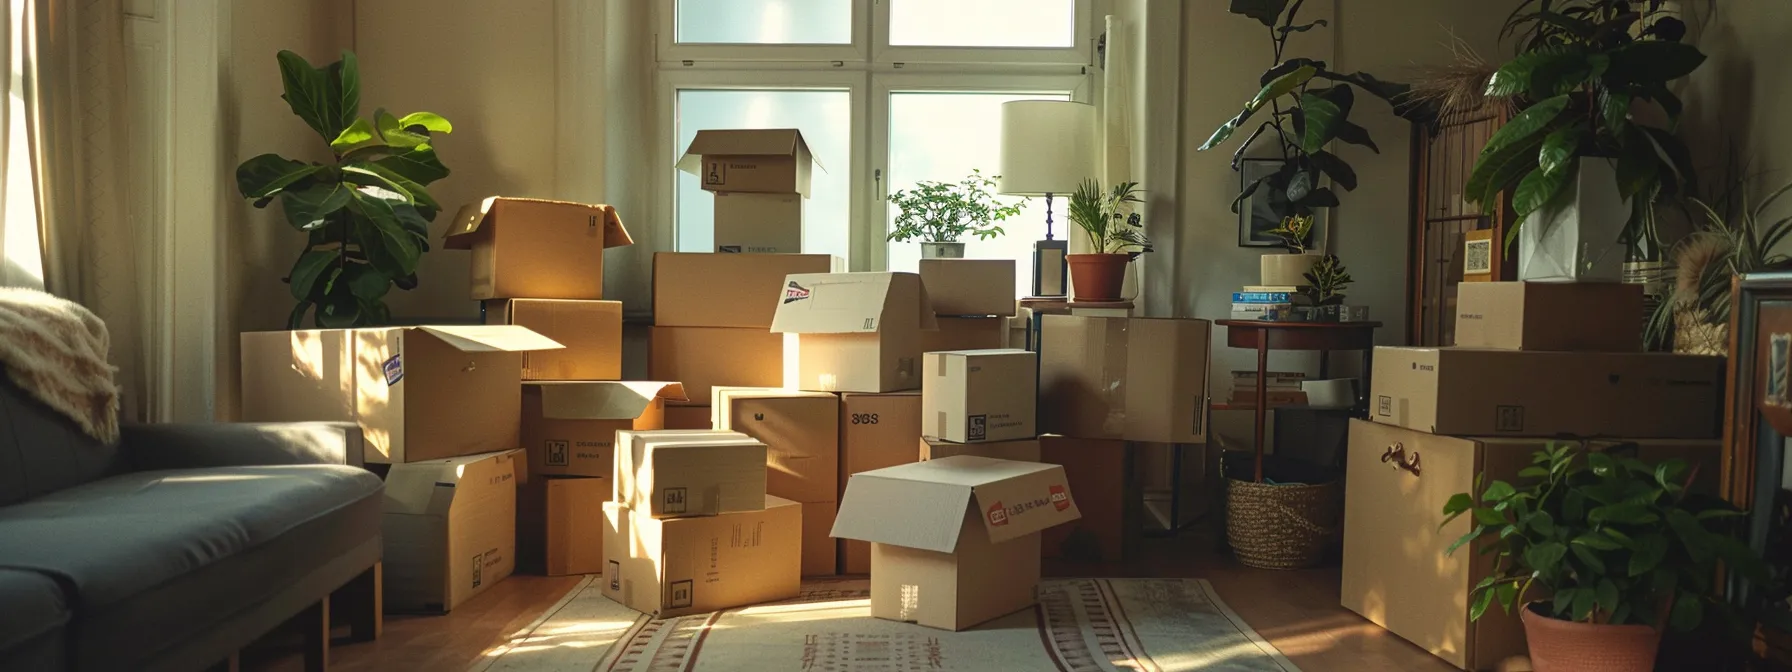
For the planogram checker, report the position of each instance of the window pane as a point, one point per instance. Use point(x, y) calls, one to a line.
point(764, 21)
point(922, 148)
point(983, 23)
point(824, 117)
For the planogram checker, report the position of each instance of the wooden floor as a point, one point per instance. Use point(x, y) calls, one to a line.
point(1296, 611)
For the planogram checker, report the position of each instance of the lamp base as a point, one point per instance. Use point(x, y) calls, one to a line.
point(1051, 273)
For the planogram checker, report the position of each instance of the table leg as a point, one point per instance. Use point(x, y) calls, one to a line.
point(1368, 377)
point(1325, 364)
point(1262, 398)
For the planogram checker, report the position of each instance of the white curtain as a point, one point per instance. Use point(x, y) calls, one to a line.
point(21, 258)
point(1115, 134)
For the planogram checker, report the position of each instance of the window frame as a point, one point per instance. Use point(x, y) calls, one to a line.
point(1080, 52)
point(669, 49)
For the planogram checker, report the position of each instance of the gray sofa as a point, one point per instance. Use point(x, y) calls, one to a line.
point(180, 545)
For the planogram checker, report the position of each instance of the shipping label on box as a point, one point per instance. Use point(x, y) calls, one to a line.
point(972, 396)
point(969, 287)
point(1132, 378)
point(590, 330)
point(775, 161)
point(759, 223)
point(679, 566)
point(856, 332)
point(449, 528)
point(569, 428)
point(686, 293)
point(670, 473)
point(801, 433)
point(537, 249)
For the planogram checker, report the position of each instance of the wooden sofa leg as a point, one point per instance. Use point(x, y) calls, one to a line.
point(314, 624)
point(366, 606)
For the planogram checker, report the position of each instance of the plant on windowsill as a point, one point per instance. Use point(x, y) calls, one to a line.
point(1601, 551)
point(366, 213)
point(1116, 234)
point(940, 214)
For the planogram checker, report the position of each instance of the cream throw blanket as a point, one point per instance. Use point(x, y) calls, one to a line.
point(56, 350)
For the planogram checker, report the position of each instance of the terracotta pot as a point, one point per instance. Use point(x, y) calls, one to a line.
point(1098, 277)
point(1286, 270)
point(1566, 646)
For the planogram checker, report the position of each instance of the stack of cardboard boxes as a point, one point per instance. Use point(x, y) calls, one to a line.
point(972, 299)
point(1533, 361)
point(760, 178)
point(801, 433)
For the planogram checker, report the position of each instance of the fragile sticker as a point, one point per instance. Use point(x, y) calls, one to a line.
point(794, 292)
point(394, 369)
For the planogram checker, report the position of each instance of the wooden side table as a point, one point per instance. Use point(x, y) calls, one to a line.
point(1324, 337)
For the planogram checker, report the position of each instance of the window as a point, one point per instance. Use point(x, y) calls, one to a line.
point(887, 93)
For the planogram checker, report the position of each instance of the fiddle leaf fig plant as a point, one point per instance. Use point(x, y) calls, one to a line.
point(366, 212)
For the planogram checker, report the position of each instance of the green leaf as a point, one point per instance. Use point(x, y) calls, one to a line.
point(1709, 514)
point(1538, 189)
point(1689, 610)
point(358, 135)
point(1564, 601)
point(1596, 541)
point(1265, 11)
point(1668, 473)
point(1335, 168)
point(1458, 503)
point(1653, 61)
point(296, 319)
point(1533, 472)
point(1321, 23)
point(1626, 513)
point(1323, 110)
point(430, 121)
point(1541, 522)
point(419, 165)
point(1464, 539)
point(394, 133)
point(1275, 89)
point(1650, 549)
point(1605, 596)
point(1394, 92)
point(388, 244)
point(1354, 134)
point(1614, 110)
point(266, 175)
point(310, 208)
point(1538, 72)
point(365, 283)
point(1559, 150)
point(1479, 606)
point(339, 310)
point(1545, 557)
point(345, 79)
point(1588, 557)
point(1693, 536)
point(1672, 153)
point(1601, 463)
point(1574, 507)
point(308, 93)
point(1583, 603)
point(1498, 490)
point(306, 271)
point(1486, 516)
point(1495, 167)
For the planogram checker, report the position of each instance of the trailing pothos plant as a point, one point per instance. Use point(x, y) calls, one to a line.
point(1585, 67)
point(366, 213)
point(1602, 537)
point(1309, 108)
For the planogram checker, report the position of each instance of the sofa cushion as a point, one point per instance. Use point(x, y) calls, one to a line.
point(33, 622)
point(41, 451)
point(154, 557)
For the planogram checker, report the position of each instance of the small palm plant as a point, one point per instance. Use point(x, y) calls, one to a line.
point(1109, 219)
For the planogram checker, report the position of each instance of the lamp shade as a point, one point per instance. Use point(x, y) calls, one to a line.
point(1048, 147)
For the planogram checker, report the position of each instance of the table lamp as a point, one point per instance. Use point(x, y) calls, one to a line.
point(1048, 147)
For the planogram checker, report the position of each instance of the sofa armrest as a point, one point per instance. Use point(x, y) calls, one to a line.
point(197, 446)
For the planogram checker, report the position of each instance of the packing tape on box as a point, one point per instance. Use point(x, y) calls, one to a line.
point(1113, 370)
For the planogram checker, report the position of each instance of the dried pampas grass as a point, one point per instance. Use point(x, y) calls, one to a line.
point(1691, 257)
point(1459, 89)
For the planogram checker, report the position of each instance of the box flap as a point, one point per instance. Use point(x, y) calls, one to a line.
point(1025, 503)
point(745, 142)
point(837, 303)
point(491, 338)
point(602, 400)
point(427, 487)
point(931, 514)
point(473, 216)
point(1013, 499)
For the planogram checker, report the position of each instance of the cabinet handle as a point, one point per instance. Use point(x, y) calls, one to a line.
point(1397, 454)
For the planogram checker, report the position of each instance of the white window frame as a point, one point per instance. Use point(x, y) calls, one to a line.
point(671, 50)
point(1080, 52)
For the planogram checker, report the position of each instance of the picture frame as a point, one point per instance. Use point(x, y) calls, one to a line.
point(1255, 220)
point(1756, 472)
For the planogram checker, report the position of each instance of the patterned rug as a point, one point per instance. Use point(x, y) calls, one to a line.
point(1079, 625)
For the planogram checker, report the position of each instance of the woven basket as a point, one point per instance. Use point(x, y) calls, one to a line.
point(1282, 526)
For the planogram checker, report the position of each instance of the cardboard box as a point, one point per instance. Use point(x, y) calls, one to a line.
point(569, 428)
point(418, 393)
point(966, 549)
point(560, 525)
point(686, 293)
point(1132, 378)
point(819, 556)
point(702, 357)
point(668, 473)
point(534, 249)
point(689, 417)
point(1108, 494)
point(767, 161)
point(971, 396)
point(1395, 573)
point(856, 332)
point(966, 333)
point(801, 433)
point(590, 330)
point(1019, 450)
point(961, 287)
point(1556, 316)
point(759, 223)
point(876, 431)
point(449, 528)
point(678, 566)
point(1474, 392)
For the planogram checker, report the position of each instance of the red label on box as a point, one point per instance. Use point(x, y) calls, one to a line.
point(997, 514)
point(1060, 498)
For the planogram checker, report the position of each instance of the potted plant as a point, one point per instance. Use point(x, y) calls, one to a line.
point(366, 213)
point(939, 214)
point(1116, 234)
point(1601, 551)
point(1583, 171)
point(1309, 107)
point(1734, 236)
point(1324, 290)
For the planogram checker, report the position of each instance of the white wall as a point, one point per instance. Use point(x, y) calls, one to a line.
point(1742, 95)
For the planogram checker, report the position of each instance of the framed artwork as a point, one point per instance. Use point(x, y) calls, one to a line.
point(1255, 219)
point(1757, 430)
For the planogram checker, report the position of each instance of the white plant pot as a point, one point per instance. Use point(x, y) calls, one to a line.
point(942, 250)
point(1286, 269)
point(1576, 239)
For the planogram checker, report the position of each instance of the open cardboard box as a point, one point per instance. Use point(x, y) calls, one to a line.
point(767, 161)
point(590, 330)
point(536, 249)
point(569, 428)
point(450, 529)
point(856, 332)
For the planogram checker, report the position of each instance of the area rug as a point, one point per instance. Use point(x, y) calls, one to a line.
point(1079, 625)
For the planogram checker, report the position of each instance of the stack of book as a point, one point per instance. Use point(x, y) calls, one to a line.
point(1254, 301)
point(1282, 389)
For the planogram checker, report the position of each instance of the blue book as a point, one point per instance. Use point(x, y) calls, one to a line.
point(1260, 297)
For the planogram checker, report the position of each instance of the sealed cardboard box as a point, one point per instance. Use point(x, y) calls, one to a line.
point(1108, 494)
point(856, 332)
point(418, 393)
point(1019, 450)
point(569, 428)
point(966, 549)
point(668, 473)
point(560, 525)
point(449, 528)
point(1478, 392)
point(767, 161)
point(801, 433)
point(702, 357)
point(1395, 572)
point(965, 287)
point(1552, 316)
point(819, 550)
point(1132, 378)
point(677, 566)
point(590, 330)
point(689, 417)
point(966, 333)
point(759, 223)
point(686, 292)
point(971, 396)
point(536, 249)
point(876, 431)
